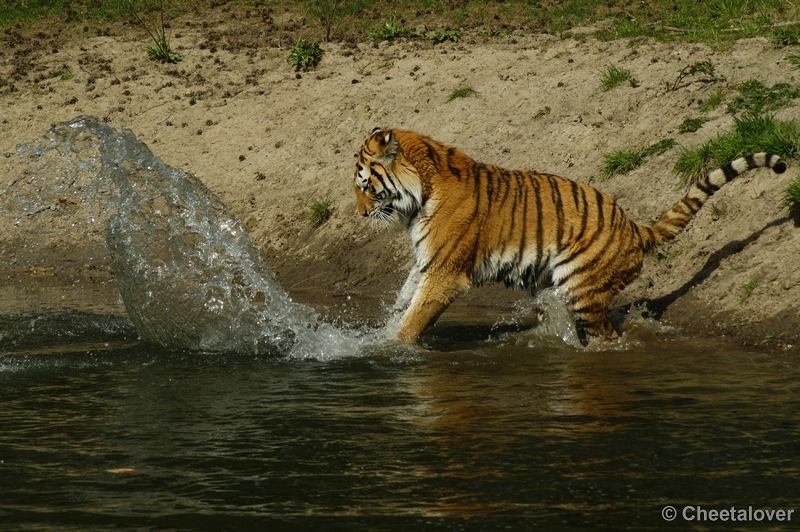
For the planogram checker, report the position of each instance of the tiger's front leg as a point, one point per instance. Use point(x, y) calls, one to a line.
point(409, 289)
point(435, 291)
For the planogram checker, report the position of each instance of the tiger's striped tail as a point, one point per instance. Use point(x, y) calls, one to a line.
point(674, 220)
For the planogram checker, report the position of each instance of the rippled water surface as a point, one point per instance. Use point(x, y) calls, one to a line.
point(103, 432)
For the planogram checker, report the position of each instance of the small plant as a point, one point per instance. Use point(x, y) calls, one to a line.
point(461, 92)
point(370, 113)
point(690, 125)
point(491, 32)
point(320, 211)
point(791, 197)
point(712, 101)
point(439, 36)
point(668, 256)
point(662, 146)
point(331, 13)
point(756, 98)
point(622, 161)
point(748, 288)
point(698, 67)
point(786, 35)
point(305, 55)
point(67, 74)
point(391, 29)
point(611, 76)
point(160, 49)
point(625, 29)
point(619, 162)
point(718, 212)
point(544, 111)
point(751, 134)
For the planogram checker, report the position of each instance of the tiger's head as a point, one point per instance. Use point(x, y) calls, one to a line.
point(385, 182)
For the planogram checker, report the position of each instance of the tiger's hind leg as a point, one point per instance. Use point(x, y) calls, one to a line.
point(593, 319)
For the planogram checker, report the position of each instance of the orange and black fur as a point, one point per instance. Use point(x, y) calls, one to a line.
point(472, 222)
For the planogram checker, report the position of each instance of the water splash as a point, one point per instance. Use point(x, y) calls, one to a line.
point(188, 275)
point(555, 320)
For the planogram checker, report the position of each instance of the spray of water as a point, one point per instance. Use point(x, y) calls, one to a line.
point(188, 275)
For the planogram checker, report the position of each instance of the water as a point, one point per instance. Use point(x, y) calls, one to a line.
point(266, 416)
point(489, 435)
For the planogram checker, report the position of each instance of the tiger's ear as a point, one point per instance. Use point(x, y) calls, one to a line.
point(387, 145)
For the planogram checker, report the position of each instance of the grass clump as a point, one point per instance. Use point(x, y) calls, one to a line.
point(748, 288)
point(756, 98)
point(333, 14)
point(439, 36)
point(156, 27)
point(786, 35)
point(611, 76)
point(305, 55)
point(622, 161)
point(461, 92)
point(544, 111)
point(690, 125)
point(751, 134)
point(320, 211)
point(712, 101)
point(791, 197)
point(662, 146)
point(67, 74)
point(391, 29)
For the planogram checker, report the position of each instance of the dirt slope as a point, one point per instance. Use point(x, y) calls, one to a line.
point(269, 141)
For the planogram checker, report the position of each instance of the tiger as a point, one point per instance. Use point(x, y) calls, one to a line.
point(472, 223)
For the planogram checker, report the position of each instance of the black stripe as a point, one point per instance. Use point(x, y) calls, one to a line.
point(729, 171)
point(600, 216)
point(455, 170)
point(751, 161)
point(539, 225)
point(555, 196)
point(524, 238)
point(693, 204)
point(706, 186)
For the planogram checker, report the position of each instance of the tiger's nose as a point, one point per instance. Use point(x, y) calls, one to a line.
point(364, 212)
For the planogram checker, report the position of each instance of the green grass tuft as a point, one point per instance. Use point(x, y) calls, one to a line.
point(756, 98)
point(792, 195)
point(621, 161)
point(320, 211)
point(748, 288)
point(461, 92)
point(391, 29)
point(662, 146)
point(712, 101)
point(611, 76)
point(751, 134)
point(67, 74)
point(544, 111)
point(160, 51)
point(786, 35)
point(305, 55)
point(690, 125)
